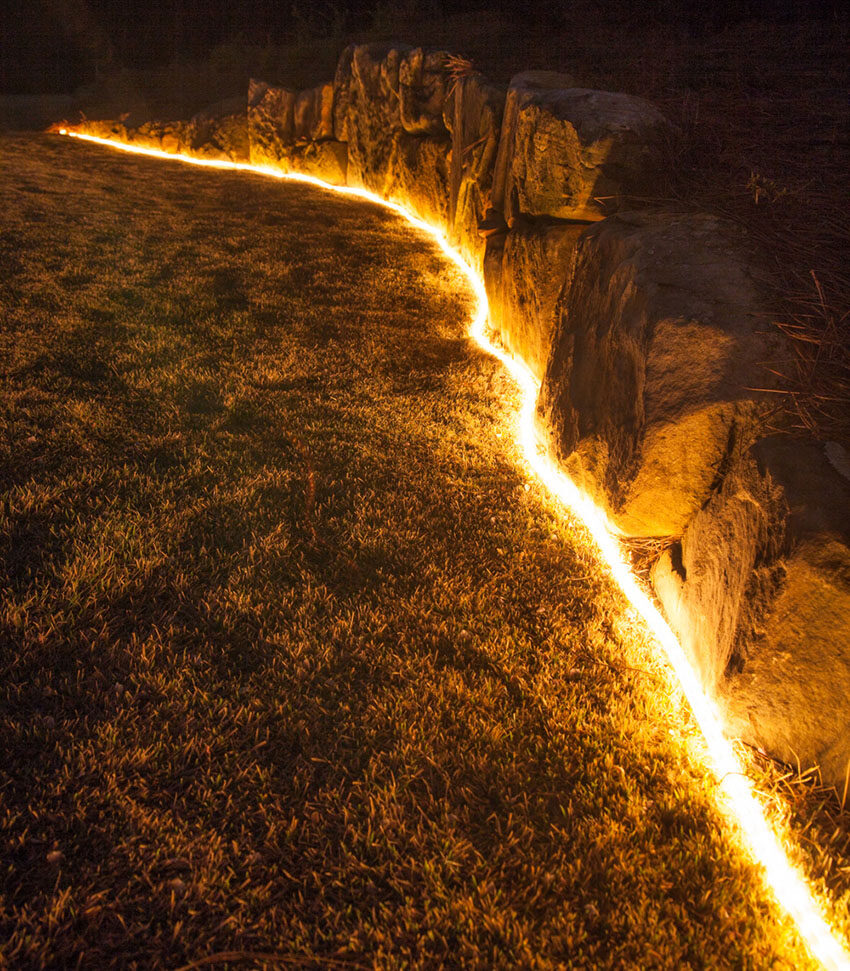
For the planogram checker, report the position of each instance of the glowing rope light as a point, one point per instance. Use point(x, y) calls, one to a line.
point(739, 803)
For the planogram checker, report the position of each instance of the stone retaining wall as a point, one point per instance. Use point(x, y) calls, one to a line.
point(649, 335)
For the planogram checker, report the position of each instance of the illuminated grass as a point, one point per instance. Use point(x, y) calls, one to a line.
point(296, 659)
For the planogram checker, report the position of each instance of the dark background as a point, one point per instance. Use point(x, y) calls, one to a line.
point(52, 46)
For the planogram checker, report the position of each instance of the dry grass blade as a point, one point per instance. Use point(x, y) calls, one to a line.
point(459, 67)
point(817, 382)
point(846, 786)
point(643, 551)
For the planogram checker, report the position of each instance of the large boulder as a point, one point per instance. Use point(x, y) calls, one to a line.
point(271, 122)
point(660, 312)
point(388, 108)
point(418, 177)
point(522, 88)
point(574, 153)
point(758, 592)
point(648, 400)
point(524, 273)
point(472, 112)
point(313, 116)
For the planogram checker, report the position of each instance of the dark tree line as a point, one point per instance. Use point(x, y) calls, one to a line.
point(56, 45)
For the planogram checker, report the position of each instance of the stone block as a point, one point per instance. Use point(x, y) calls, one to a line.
point(418, 176)
point(522, 88)
point(573, 153)
point(271, 122)
point(327, 160)
point(661, 313)
point(524, 283)
point(342, 93)
point(717, 582)
point(221, 131)
point(373, 114)
point(787, 692)
point(174, 137)
point(473, 113)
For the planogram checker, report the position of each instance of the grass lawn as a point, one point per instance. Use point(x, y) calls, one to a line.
point(295, 660)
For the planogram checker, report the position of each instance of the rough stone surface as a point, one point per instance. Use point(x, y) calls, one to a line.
point(645, 400)
point(342, 93)
point(165, 136)
point(271, 122)
point(215, 133)
point(574, 153)
point(171, 136)
point(522, 88)
point(473, 114)
point(788, 692)
point(524, 273)
point(423, 82)
point(119, 130)
point(717, 582)
point(418, 176)
point(221, 131)
point(373, 115)
point(327, 160)
point(655, 347)
point(103, 128)
point(313, 113)
point(791, 697)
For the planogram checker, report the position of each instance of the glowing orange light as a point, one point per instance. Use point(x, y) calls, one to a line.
point(736, 797)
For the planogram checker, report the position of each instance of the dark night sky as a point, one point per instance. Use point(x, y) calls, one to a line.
point(54, 45)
